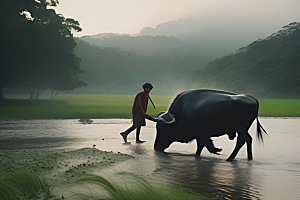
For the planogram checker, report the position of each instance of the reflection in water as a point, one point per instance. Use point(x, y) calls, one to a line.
point(42, 142)
point(216, 177)
point(139, 149)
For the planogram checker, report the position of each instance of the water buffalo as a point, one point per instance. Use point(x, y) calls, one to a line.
point(203, 113)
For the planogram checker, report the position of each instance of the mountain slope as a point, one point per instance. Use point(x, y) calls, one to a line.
point(141, 44)
point(269, 67)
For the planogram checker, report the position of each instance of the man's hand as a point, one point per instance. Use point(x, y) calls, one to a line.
point(151, 118)
point(154, 119)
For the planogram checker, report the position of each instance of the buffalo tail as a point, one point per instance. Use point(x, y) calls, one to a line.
point(259, 131)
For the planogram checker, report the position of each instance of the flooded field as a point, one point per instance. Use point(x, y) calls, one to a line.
point(273, 174)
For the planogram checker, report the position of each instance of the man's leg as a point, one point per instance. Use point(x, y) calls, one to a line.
point(137, 138)
point(125, 133)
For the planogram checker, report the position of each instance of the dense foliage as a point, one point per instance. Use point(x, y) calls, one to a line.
point(268, 67)
point(37, 47)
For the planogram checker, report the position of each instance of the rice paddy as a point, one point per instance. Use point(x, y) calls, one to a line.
point(100, 106)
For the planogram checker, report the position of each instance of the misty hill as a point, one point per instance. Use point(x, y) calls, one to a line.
point(115, 70)
point(267, 67)
point(216, 33)
point(142, 44)
point(209, 36)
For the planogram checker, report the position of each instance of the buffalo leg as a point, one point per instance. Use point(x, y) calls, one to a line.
point(242, 131)
point(200, 146)
point(208, 144)
point(211, 148)
point(249, 146)
point(243, 136)
point(241, 139)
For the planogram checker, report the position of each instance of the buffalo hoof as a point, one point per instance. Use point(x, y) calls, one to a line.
point(231, 137)
point(158, 149)
point(219, 149)
point(230, 159)
point(215, 151)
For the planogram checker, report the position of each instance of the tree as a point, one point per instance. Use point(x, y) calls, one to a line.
point(37, 47)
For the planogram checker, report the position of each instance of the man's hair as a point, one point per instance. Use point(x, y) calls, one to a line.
point(147, 85)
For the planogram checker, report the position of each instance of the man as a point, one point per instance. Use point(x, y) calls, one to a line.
point(139, 114)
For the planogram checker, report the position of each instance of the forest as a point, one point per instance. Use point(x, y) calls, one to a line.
point(267, 67)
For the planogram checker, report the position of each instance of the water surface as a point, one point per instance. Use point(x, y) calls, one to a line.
point(273, 174)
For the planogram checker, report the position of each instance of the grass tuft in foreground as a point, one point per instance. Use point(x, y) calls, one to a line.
point(129, 187)
point(27, 185)
point(23, 185)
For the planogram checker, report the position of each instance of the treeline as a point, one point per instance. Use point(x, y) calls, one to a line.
point(37, 48)
point(147, 45)
point(267, 67)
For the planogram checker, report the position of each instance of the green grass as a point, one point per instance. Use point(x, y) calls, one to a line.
point(70, 106)
point(67, 106)
point(130, 187)
point(77, 174)
point(28, 185)
point(279, 107)
point(23, 185)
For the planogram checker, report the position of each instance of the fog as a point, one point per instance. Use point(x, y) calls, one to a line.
point(175, 38)
point(130, 16)
point(229, 25)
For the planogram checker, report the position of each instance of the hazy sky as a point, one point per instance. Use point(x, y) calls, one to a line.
point(129, 16)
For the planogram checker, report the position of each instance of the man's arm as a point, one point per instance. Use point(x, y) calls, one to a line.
point(143, 111)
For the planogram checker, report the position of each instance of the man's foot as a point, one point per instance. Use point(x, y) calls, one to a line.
point(139, 141)
point(124, 135)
